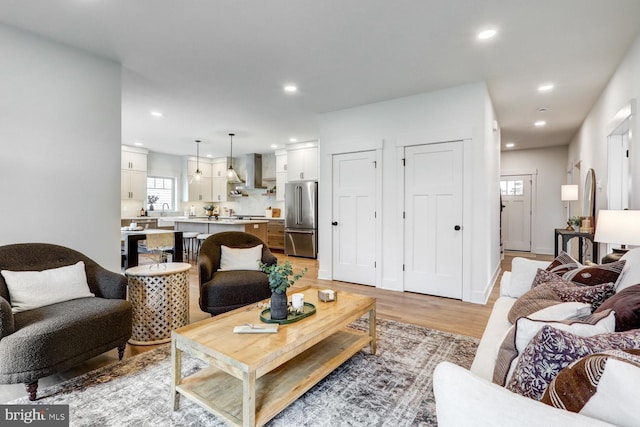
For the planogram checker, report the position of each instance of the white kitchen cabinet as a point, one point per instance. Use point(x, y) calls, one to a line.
point(199, 190)
point(133, 185)
point(281, 180)
point(302, 162)
point(281, 161)
point(219, 192)
point(133, 160)
point(219, 168)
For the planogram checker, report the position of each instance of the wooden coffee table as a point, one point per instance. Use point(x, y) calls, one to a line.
point(252, 377)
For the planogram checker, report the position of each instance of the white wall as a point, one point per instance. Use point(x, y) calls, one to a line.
point(589, 146)
point(460, 113)
point(60, 136)
point(549, 167)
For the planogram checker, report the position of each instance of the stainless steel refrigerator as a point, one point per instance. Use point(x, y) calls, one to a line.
point(301, 219)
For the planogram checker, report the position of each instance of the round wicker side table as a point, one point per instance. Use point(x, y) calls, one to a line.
point(159, 294)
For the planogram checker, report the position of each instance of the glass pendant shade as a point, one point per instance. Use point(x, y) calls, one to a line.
point(232, 176)
point(198, 171)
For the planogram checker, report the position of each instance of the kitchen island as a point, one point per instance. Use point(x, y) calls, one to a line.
point(257, 227)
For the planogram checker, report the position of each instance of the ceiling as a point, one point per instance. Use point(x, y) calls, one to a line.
point(219, 66)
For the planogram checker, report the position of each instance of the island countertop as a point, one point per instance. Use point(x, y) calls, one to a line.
point(257, 227)
point(222, 221)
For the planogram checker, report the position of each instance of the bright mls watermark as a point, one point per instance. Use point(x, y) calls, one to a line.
point(34, 415)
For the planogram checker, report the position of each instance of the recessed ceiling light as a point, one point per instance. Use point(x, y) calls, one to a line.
point(487, 34)
point(290, 88)
point(274, 145)
point(545, 87)
point(293, 139)
point(138, 144)
point(510, 145)
point(542, 109)
point(210, 156)
point(540, 123)
point(156, 114)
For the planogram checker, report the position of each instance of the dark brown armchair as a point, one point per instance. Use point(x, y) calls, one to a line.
point(222, 291)
point(42, 341)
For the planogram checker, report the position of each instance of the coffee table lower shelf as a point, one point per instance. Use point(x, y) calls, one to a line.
point(222, 393)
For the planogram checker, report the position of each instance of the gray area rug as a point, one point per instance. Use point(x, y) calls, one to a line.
point(391, 388)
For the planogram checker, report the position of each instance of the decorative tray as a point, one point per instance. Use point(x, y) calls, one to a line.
point(307, 310)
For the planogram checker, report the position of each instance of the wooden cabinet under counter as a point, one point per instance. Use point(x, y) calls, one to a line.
point(144, 222)
point(275, 234)
point(257, 229)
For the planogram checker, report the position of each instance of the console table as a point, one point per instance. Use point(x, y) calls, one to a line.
point(570, 234)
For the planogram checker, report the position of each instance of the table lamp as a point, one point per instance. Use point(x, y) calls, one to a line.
point(621, 227)
point(569, 193)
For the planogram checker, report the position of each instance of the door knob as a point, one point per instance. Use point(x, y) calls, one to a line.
point(457, 228)
point(334, 223)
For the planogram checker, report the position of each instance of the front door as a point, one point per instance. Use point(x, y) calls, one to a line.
point(516, 215)
point(354, 217)
point(433, 219)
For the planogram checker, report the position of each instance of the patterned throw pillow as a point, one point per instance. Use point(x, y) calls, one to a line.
point(526, 328)
point(551, 350)
point(594, 275)
point(543, 276)
point(556, 291)
point(626, 304)
point(562, 264)
point(599, 386)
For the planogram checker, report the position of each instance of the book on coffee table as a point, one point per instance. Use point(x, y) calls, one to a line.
point(270, 328)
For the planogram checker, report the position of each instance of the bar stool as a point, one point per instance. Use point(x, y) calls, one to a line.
point(189, 243)
point(201, 238)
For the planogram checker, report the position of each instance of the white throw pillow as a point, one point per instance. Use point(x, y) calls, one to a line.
point(33, 289)
point(562, 311)
point(240, 258)
point(527, 328)
point(631, 271)
point(523, 271)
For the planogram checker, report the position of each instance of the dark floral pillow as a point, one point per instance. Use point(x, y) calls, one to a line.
point(551, 350)
point(543, 276)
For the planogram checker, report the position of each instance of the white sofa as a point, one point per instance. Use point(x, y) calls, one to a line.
point(468, 397)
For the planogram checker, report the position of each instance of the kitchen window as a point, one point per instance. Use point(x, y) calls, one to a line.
point(164, 189)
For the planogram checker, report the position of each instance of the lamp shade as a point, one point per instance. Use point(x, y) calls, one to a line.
point(569, 192)
point(621, 227)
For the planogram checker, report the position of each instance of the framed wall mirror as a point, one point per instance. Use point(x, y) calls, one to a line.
point(589, 196)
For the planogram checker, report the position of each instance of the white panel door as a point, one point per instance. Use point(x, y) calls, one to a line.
point(433, 219)
point(354, 217)
point(516, 214)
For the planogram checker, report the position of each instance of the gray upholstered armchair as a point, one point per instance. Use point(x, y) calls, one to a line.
point(222, 291)
point(42, 341)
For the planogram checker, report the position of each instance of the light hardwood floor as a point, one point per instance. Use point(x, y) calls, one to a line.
point(432, 312)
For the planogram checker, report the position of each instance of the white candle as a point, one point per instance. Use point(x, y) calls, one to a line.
point(297, 301)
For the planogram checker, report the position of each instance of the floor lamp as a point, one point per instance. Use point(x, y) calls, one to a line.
point(569, 193)
point(621, 227)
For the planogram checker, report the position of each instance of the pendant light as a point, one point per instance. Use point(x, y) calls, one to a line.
point(232, 176)
point(198, 171)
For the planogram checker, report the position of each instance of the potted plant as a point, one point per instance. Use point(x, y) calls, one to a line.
point(281, 277)
point(209, 209)
point(151, 200)
point(573, 223)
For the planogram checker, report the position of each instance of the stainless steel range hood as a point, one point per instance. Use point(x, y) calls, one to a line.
point(254, 171)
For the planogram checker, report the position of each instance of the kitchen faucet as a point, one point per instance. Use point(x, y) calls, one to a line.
point(168, 207)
